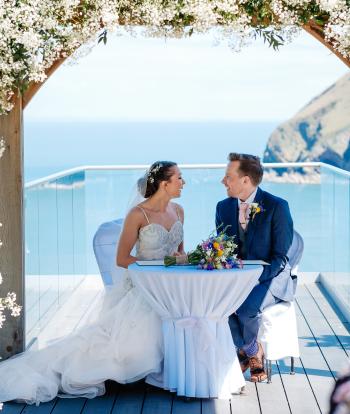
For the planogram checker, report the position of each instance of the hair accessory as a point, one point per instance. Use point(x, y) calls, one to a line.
point(153, 172)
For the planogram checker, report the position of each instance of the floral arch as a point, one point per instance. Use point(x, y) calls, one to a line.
point(37, 36)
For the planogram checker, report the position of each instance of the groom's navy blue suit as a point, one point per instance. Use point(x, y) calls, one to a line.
point(268, 237)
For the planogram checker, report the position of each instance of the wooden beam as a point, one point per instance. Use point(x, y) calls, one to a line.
point(35, 86)
point(317, 32)
point(12, 231)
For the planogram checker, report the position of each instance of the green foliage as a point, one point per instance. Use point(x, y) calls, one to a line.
point(273, 39)
point(102, 37)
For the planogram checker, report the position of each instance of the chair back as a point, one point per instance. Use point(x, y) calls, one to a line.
point(295, 253)
point(105, 244)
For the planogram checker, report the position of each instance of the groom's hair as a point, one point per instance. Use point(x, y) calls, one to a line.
point(249, 165)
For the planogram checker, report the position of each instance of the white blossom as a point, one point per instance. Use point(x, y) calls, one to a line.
point(33, 35)
point(2, 150)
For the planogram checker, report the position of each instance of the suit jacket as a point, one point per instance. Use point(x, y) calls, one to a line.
point(268, 237)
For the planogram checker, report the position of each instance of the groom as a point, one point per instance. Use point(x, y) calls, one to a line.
point(264, 231)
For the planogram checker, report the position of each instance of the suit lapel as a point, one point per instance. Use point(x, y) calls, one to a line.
point(234, 218)
point(252, 224)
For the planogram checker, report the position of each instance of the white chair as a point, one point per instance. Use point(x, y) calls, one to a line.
point(105, 245)
point(278, 333)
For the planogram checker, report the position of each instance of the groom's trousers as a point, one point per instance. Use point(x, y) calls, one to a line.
point(245, 322)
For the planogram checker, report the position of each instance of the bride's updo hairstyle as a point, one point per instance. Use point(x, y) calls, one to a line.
point(159, 171)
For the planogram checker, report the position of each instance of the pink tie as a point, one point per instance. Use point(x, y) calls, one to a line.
point(243, 220)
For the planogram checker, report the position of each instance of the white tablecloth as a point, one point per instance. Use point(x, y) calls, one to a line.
point(199, 356)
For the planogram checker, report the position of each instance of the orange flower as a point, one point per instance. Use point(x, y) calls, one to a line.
point(220, 253)
point(216, 245)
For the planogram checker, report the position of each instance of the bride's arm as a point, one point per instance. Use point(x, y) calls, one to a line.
point(128, 238)
point(181, 248)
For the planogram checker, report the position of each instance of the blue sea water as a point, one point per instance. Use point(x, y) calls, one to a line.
point(53, 146)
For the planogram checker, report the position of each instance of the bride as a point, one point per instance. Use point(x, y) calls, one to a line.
point(124, 343)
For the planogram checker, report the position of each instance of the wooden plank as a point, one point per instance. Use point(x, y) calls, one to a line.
point(181, 406)
point(129, 401)
point(328, 343)
point(69, 405)
point(335, 320)
point(300, 394)
point(105, 403)
point(100, 405)
point(247, 402)
point(216, 407)
point(273, 395)
point(314, 364)
point(157, 401)
point(43, 408)
point(12, 408)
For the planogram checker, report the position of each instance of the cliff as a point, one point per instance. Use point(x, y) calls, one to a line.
point(318, 132)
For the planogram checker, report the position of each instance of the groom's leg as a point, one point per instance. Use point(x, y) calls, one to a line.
point(249, 316)
point(236, 331)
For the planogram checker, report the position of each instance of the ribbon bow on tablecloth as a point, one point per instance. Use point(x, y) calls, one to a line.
point(204, 340)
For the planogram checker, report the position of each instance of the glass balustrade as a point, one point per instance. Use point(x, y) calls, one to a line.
point(334, 260)
point(55, 256)
point(63, 213)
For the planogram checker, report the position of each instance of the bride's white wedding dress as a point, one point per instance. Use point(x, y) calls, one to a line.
point(123, 344)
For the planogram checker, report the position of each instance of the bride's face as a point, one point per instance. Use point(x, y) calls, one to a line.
point(175, 184)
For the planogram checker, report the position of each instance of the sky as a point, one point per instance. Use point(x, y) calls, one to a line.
point(157, 80)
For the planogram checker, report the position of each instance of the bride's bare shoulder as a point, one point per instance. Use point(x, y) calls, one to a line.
point(135, 214)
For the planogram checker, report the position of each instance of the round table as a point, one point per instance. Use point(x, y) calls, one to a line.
point(194, 305)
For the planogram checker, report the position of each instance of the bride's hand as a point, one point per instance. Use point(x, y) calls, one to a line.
point(181, 258)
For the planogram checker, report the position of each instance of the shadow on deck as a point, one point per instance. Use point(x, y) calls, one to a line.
point(324, 345)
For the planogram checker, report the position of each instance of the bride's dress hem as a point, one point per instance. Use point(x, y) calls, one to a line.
point(124, 343)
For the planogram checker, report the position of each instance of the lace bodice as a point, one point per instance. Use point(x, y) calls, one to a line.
point(155, 241)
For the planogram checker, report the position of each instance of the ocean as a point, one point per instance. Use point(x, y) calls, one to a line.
point(50, 147)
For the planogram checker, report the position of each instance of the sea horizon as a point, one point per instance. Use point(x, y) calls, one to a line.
point(53, 146)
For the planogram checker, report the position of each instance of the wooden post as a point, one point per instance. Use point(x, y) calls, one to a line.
point(12, 230)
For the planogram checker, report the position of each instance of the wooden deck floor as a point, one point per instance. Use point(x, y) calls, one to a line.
point(324, 342)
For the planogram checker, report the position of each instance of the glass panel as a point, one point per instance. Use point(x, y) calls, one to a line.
point(201, 193)
point(341, 236)
point(79, 234)
point(326, 258)
point(48, 254)
point(65, 236)
point(55, 247)
point(32, 283)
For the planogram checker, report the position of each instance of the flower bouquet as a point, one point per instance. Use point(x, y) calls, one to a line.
point(217, 252)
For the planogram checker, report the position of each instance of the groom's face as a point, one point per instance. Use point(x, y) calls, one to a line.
point(233, 180)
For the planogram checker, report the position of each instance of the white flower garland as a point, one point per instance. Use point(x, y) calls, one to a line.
point(33, 35)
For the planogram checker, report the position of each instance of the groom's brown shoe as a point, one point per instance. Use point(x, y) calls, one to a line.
point(243, 360)
point(256, 365)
